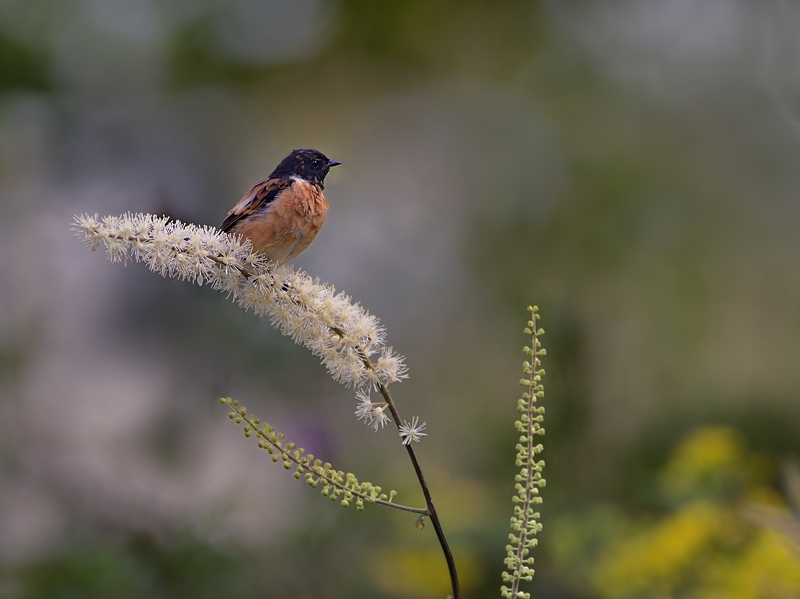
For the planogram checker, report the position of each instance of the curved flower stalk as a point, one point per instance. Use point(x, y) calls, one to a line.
point(350, 342)
point(525, 521)
point(342, 334)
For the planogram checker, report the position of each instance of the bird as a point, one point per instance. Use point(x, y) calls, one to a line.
point(282, 214)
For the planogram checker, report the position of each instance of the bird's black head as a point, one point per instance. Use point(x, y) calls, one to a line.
point(309, 165)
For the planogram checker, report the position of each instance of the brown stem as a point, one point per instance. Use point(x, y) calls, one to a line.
point(437, 525)
point(451, 564)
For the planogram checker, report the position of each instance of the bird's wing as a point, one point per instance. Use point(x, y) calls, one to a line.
point(258, 197)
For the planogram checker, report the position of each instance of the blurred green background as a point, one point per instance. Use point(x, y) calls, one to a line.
point(632, 168)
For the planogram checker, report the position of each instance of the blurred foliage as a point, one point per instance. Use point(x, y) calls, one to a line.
point(438, 37)
point(195, 61)
point(642, 156)
point(723, 530)
point(140, 567)
point(22, 67)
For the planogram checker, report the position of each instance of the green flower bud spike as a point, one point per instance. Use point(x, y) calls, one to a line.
point(525, 521)
point(335, 484)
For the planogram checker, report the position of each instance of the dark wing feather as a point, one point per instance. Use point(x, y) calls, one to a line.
point(255, 200)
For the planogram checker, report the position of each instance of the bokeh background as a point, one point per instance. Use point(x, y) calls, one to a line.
point(631, 167)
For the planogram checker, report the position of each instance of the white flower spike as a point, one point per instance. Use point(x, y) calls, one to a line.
point(342, 334)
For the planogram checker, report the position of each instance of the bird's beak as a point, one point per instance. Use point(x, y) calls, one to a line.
point(332, 163)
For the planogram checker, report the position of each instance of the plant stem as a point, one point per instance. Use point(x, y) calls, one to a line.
point(283, 451)
point(437, 525)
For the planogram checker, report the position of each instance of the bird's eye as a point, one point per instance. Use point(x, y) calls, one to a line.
point(315, 162)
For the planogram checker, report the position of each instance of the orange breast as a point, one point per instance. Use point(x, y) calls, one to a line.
point(290, 222)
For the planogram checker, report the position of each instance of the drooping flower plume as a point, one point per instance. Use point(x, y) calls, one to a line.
point(341, 333)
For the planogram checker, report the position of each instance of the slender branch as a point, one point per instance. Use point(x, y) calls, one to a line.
point(403, 508)
point(437, 525)
point(149, 239)
point(246, 273)
point(431, 511)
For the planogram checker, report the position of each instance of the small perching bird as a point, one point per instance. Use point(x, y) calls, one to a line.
point(282, 214)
